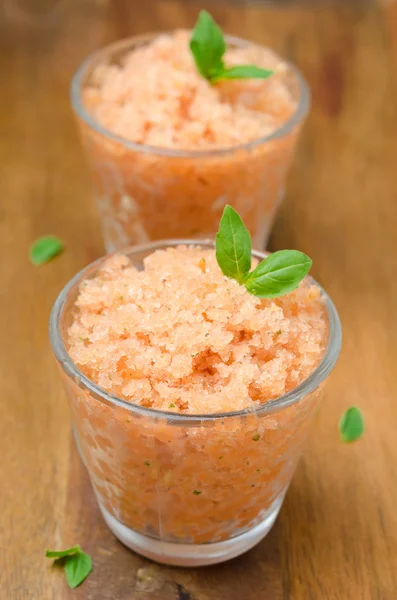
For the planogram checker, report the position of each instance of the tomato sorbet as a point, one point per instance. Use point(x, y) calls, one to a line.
point(180, 332)
point(157, 97)
point(185, 148)
point(181, 338)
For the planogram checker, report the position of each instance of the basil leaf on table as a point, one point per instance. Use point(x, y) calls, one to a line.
point(76, 564)
point(351, 425)
point(62, 553)
point(44, 249)
point(77, 568)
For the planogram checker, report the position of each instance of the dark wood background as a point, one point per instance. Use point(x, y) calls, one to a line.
point(336, 537)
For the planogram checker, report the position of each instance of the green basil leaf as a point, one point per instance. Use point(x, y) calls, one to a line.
point(77, 568)
point(45, 248)
point(233, 245)
point(62, 553)
point(279, 273)
point(207, 45)
point(351, 424)
point(242, 72)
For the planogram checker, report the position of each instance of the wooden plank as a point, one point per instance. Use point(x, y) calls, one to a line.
point(336, 536)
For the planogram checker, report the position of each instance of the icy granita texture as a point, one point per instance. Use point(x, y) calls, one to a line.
point(157, 97)
point(181, 337)
point(181, 334)
point(196, 146)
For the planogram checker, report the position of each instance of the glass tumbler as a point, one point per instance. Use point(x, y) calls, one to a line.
point(186, 489)
point(146, 193)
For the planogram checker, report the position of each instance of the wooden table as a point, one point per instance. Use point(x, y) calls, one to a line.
point(336, 536)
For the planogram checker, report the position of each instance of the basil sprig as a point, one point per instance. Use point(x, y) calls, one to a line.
point(208, 46)
point(279, 273)
point(76, 563)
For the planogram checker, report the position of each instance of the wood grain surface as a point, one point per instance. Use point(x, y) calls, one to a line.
point(336, 536)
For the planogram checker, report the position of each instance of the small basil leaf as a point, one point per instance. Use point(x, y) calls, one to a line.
point(62, 553)
point(45, 248)
point(279, 273)
point(351, 424)
point(77, 568)
point(242, 72)
point(207, 45)
point(233, 245)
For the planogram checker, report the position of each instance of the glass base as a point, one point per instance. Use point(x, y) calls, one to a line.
point(192, 555)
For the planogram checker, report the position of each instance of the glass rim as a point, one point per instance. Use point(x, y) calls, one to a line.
point(75, 97)
point(307, 386)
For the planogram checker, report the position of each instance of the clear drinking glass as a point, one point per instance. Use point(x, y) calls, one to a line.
point(148, 193)
point(186, 490)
